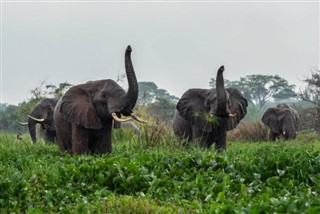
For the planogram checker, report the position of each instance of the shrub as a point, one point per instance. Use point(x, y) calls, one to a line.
point(252, 131)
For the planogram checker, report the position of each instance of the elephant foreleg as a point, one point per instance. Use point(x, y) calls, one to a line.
point(80, 139)
point(103, 142)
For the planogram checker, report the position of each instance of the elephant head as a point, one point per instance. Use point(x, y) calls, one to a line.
point(209, 112)
point(42, 114)
point(281, 120)
point(92, 107)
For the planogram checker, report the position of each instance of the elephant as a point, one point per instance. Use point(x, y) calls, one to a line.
point(205, 115)
point(84, 114)
point(282, 121)
point(42, 114)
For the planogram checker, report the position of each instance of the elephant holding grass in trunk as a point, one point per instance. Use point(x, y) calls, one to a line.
point(282, 121)
point(84, 115)
point(42, 114)
point(205, 115)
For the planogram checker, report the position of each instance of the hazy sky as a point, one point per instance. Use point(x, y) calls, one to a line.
point(177, 45)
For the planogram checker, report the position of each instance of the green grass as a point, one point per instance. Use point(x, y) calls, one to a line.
point(159, 175)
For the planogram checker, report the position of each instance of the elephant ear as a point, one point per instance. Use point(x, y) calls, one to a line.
point(270, 119)
point(191, 107)
point(77, 108)
point(238, 105)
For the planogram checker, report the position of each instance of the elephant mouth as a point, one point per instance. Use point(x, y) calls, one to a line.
point(132, 116)
point(228, 115)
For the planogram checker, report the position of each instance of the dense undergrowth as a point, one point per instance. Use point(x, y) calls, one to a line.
point(159, 175)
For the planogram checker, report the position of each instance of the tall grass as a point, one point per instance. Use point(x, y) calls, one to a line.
point(155, 173)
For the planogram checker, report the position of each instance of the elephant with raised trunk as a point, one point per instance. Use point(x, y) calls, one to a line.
point(84, 115)
point(205, 115)
point(42, 114)
point(282, 121)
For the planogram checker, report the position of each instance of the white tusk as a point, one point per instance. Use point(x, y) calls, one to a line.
point(232, 115)
point(137, 118)
point(116, 118)
point(22, 124)
point(36, 119)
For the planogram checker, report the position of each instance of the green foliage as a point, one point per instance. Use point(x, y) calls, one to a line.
point(259, 89)
point(149, 92)
point(8, 116)
point(141, 176)
point(58, 91)
point(162, 108)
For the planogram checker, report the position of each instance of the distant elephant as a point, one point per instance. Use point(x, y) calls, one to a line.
point(130, 124)
point(205, 115)
point(42, 114)
point(282, 121)
point(84, 115)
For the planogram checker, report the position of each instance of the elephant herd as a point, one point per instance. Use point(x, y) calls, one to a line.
point(83, 118)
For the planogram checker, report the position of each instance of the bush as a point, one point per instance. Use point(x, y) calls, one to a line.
point(250, 131)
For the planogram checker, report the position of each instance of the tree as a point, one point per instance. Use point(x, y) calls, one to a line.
point(58, 91)
point(259, 89)
point(163, 108)
point(149, 92)
point(311, 94)
point(8, 117)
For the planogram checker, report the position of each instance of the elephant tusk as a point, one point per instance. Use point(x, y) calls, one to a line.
point(137, 118)
point(116, 118)
point(232, 115)
point(22, 124)
point(36, 119)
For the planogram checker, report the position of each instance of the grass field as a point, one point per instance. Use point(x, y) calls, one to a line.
point(144, 175)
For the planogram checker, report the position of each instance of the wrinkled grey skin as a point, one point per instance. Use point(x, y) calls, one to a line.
point(282, 121)
point(190, 118)
point(83, 115)
point(43, 110)
point(130, 124)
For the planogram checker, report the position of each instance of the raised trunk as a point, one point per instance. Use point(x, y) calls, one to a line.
point(132, 95)
point(221, 94)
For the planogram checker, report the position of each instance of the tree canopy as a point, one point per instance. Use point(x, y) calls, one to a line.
point(259, 89)
point(149, 92)
point(311, 93)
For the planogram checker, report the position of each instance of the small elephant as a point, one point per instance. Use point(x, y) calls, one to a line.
point(84, 115)
point(282, 121)
point(42, 114)
point(205, 115)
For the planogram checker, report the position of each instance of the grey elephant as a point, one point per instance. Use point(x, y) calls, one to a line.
point(84, 115)
point(205, 115)
point(42, 114)
point(282, 121)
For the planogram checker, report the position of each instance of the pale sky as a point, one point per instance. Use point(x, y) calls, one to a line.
point(177, 45)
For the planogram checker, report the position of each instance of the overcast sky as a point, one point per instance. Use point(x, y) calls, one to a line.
point(176, 45)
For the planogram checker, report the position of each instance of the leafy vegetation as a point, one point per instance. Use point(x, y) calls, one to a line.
point(260, 89)
point(160, 175)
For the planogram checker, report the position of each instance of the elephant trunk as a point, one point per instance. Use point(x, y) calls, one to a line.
point(289, 130)
point(32, 129)
point(221, 94)
point(132, 95)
